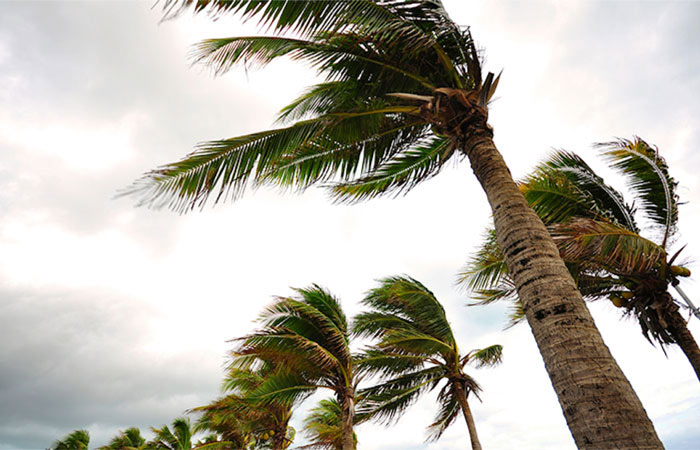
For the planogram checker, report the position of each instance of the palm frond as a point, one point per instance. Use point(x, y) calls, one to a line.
point(486, 357)
point(324, 427)
point(386, 402)
point(447, 413)
point(565, 186)
point(607, 244)
point(399, 174)
point(486, 268)
point(648, 177)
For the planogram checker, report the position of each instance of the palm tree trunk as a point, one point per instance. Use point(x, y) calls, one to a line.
point(600, 406)
point(348, 408)
point(467, 412)
point(679, 330)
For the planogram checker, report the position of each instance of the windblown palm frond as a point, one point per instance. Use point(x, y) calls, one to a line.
point(324, 427)
point(649, 181)
point(353, 134)
point(179, 438)
point(77, 440)
point(415, 352)
point(129, 439)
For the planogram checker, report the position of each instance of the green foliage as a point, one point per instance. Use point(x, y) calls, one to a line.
point(324, 427)
point(353, 134)
point(77, 440)
point(415, 352)
point(597, 234)
point(129, 439)
point(179, 438)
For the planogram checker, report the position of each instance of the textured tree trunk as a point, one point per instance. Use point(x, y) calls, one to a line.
point(462, 400)
point(348, 406)
point(679, 330)
point(599, 404)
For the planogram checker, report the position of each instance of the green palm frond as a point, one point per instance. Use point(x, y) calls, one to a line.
point(400, 174)
point(607, 245)
point(129, 439)
point(485, 357)
point(284, 387)
point(565, 186)
point(447, 413)
point(385, 364)
point(324, 427)
point(386, 402)
point(648, 178)
point(77, 440)
point(408, 299)
point(486, 268)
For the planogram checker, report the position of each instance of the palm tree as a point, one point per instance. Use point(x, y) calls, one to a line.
point(324, 427)
point(307, 339)
point(77, 440)
point(129, 439)
point(404, 94)
point(600, 240)
point(242, 421)
point(180, 438)
point(416, 351)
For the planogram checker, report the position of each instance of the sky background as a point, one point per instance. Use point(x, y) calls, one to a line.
point(113, 316)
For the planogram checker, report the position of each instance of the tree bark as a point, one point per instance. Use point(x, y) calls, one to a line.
point(467, 412)
point(348, 408)
point(679, 330)
point(600, 406)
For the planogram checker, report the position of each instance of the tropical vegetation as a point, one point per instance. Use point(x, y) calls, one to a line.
point(614, 249)
point(404, 93)
point(307, 339)
point(416, 352)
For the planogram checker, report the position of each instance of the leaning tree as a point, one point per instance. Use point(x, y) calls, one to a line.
point(404, 93)
point(613, 249)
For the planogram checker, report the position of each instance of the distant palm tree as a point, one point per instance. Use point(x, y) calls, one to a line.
point(324, 427)
point(180, 438)
point(242, 421)
point(77, 440)
point(129, 439)
point(403, 95)
point(416, 352)
point(307, 339)
point(599, 237)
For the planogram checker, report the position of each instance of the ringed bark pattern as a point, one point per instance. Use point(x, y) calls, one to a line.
point(599, 404)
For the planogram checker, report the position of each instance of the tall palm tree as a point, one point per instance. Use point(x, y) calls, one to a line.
point(77, 440)
point(404, 94)
point(599, 237)
point(324, 427)
point(416, 352)
point(242, 421)
point(307, 339)
point(129, 439)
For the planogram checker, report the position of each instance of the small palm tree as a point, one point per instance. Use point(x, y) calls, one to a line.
point(404, 94)
point(242, 421)
point(416, 352)
point(129, 439)
point(307, 339)
point(77, 440)
point(180, 438)
point(324, 427)
point(598, 236)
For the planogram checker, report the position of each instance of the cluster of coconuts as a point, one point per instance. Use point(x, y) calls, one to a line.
point(268, 434)
point(620, 299)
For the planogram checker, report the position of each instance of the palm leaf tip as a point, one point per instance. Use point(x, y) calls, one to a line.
point(648, 177)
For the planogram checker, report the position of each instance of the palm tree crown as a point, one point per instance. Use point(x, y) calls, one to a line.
point(372, 126)
point(306, 337)
point(416, 352)
point(77, 440)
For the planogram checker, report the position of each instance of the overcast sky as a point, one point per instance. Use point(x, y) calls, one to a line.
point(112, 316)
